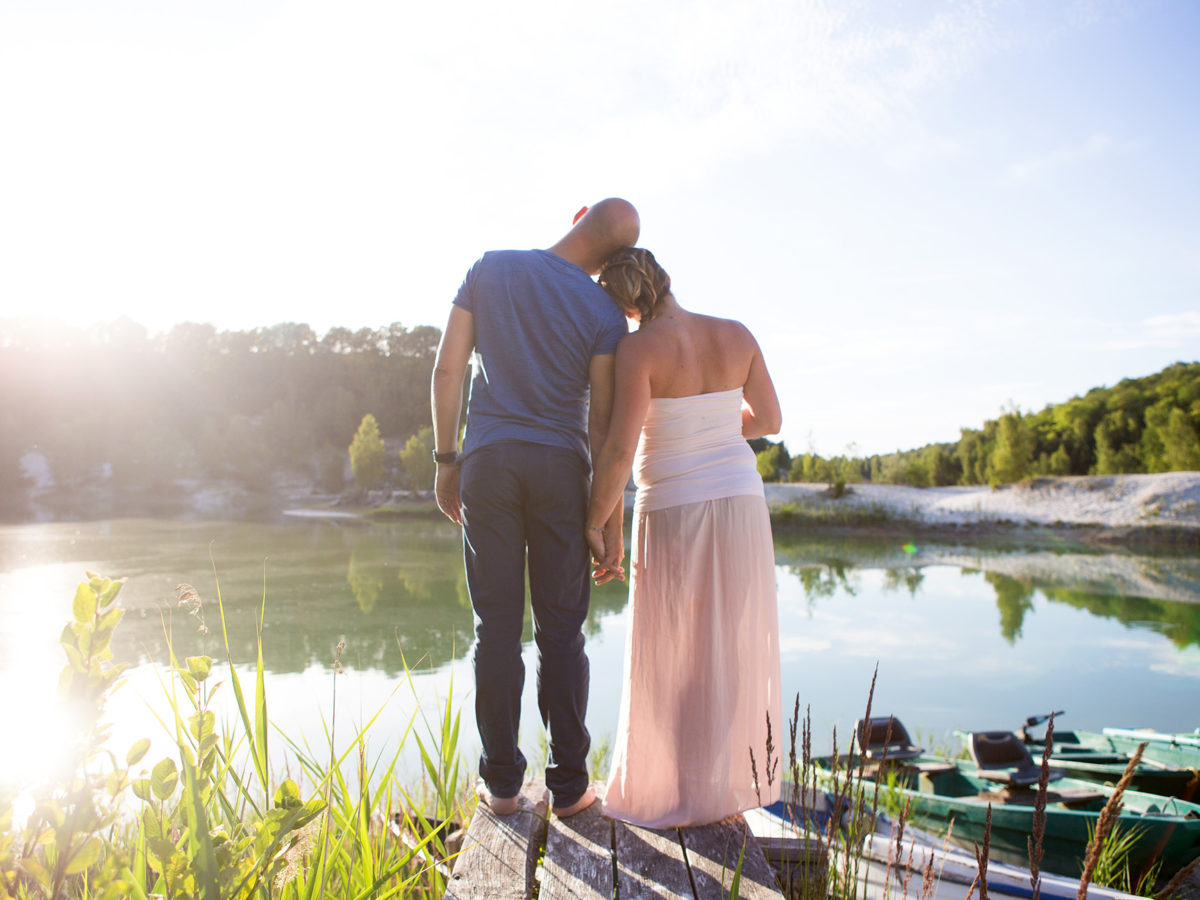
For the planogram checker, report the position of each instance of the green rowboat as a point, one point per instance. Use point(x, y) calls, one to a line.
point(949, 792)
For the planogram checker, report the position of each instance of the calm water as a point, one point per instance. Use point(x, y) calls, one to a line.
point(965, 636)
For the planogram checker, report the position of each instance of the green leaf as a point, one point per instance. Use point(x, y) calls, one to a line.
point(201, 723)
point(288, 795)
point(85, 856)
point(117, 890)
point(160, 851)
point(68, 638)
point(199, 666)
point(109, 620)
point(84, 605)
point(164, 779)
point(151, 826)
point(114, 783)
point(137, 751)
point(109, 594)
point(35, 870)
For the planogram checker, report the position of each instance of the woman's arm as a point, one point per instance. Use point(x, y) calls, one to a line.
point(760, 414)
point(612, 464)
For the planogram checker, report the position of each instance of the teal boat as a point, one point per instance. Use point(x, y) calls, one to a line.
point(942, 792)
point(1170, 763)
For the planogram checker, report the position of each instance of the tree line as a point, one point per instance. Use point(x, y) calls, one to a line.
point(147, 413)
point(144, 411)
point(1141, 425)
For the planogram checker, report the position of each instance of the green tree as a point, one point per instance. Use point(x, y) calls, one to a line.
point(1011, 457)
point(770, 462)
point(366, 453)
point(417, 459)
point(1060, 461)
point(1181, 440)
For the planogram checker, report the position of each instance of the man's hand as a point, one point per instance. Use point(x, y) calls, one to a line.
point(608, 549)
point(445, 488)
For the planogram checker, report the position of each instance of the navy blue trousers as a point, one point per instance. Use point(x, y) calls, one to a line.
point(528, 502)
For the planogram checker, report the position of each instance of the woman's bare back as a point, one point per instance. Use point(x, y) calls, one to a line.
point(693, 354)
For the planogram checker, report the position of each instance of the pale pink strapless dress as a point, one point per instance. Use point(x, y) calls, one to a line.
point(702, 653)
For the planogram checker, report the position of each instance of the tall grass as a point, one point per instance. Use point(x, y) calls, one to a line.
point(215, 819)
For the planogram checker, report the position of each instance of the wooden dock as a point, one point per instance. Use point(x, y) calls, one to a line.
point(590, 856)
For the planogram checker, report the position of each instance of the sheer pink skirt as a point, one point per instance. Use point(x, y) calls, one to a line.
point(701, 667)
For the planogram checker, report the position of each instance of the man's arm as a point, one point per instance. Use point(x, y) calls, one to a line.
point(445, 392)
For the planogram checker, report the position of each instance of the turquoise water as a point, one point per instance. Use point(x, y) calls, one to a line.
point(964, 636)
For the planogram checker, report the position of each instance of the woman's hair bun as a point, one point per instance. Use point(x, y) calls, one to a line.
point(633, 277)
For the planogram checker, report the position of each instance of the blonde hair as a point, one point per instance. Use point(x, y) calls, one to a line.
point(633, 278)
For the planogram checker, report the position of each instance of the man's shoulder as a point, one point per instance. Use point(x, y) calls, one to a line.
point(506, 257)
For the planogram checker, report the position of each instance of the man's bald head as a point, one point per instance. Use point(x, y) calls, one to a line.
point(603, 229)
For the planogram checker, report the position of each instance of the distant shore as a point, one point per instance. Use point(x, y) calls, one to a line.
point(1161, 508)
point(1116, 509)
point(1142, 509)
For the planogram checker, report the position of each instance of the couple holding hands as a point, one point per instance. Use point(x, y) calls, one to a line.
point(564, 400)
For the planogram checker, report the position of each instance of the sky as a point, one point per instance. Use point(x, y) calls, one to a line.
point(924, 211)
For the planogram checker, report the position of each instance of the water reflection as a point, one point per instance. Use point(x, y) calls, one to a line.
point(965, 635)
point(396, 592)
point(1158, 591)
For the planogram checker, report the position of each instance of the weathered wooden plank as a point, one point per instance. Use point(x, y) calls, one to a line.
point(499, 853)
point(712, 853)
point(578, 862)
point(650, 863)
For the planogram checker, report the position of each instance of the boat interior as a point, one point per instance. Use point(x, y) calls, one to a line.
point(1003, 757)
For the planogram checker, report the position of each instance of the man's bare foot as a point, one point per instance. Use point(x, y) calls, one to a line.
point(588, 798)
point(501, 806)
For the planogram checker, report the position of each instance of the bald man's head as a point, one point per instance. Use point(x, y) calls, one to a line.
point(612, 222)
point(603, 229)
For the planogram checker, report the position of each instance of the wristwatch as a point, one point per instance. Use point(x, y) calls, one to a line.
point(450, 456)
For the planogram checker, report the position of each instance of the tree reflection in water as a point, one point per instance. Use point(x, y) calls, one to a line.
point(1158, 591)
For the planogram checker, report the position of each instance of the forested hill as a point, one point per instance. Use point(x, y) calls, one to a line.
point(1141, 425)
point(119, 405)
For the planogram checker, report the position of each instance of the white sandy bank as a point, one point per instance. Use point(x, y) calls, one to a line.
point(1110, 501)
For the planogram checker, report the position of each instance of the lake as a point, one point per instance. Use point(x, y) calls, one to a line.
point(970, 636)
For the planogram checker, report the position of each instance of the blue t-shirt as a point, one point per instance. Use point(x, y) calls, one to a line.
point(539, 320)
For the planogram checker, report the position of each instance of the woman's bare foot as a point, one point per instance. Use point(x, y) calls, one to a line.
point(588, 798)
point(501, 806)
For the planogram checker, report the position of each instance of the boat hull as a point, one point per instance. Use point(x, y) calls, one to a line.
point(1170, 827)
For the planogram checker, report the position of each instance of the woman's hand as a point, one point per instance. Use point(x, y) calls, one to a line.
point(608, 549)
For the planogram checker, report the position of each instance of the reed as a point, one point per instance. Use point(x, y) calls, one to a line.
point(1038, 836)
point(981, 854)
point(1104, 823)
point(853, 804)
point(1175, 885)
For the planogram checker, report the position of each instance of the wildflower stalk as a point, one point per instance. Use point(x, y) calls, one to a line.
point(1036, 839)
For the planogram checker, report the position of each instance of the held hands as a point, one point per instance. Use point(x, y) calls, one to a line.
point(608, 549)
point(445, 489)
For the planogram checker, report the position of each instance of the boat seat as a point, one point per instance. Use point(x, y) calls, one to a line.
point(885, 737)
point(1001, 756)
point(1075, 798)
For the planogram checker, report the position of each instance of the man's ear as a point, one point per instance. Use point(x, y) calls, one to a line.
point(579, 215)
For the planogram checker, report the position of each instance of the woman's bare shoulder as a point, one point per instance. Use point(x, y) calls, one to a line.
point(730, 330)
